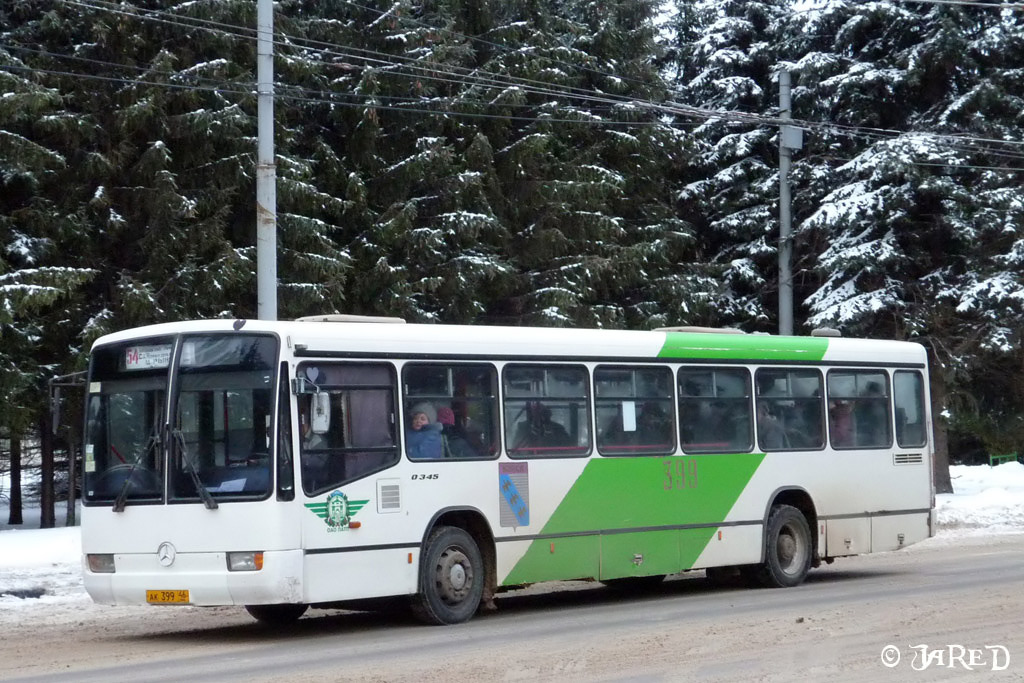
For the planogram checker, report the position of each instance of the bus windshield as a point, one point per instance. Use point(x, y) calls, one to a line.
point(212, 443)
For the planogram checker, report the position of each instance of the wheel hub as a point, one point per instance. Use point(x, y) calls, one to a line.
point(454, 576)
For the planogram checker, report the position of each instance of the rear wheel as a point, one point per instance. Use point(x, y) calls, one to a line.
point(634, 584)
point(276, 615)
point(723, 576)
point(451, 578)
point(788, 549)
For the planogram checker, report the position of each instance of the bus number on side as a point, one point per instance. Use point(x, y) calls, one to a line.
point(680, 474)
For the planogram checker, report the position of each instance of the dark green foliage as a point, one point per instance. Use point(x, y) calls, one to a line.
point(476, 161)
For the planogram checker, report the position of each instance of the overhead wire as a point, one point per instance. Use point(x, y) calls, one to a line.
point(669, 107)
point(359, 105)
point(427, 71)
point(672, 108)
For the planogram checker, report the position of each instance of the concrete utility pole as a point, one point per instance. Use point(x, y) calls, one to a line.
point(790, 138)
point(266, 174)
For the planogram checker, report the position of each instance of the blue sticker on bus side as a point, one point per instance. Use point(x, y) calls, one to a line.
point(514, 494)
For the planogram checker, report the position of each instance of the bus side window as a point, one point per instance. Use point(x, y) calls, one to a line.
point(908, 392)
point(361, 438)
point(859, 413)
point(790, 412)
point(547, 409)
point(461, 399)
point(634, 410)
point(714, 410)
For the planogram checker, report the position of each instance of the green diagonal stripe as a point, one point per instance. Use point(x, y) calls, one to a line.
point(618, 494)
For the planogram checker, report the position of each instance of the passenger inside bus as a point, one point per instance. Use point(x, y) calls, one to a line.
point(423, 437)
point(539, 430)
point(453, 440)
point(651, 429)
point(871, 417)
point(770, 432)
point(841, 424)
point(654, 426)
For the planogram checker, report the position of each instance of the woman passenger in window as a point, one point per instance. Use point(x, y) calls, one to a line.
point(841, 423)
point(453, 441)
point(423, 437)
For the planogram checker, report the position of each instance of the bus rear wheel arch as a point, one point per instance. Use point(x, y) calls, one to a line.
point(452, 576)
point(789, 549)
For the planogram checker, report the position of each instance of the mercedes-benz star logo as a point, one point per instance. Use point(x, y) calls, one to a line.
point(166, 553)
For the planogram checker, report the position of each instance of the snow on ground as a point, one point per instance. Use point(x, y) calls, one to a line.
point(41, 568)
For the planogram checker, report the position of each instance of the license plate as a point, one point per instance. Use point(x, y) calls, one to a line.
point(167, 597)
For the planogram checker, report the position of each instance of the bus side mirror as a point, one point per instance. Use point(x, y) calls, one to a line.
point(321, 417)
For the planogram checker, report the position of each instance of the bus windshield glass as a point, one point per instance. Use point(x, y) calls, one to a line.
point(214, 441)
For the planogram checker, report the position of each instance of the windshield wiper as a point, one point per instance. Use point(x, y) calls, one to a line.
point(122, 495)
point(207, 497)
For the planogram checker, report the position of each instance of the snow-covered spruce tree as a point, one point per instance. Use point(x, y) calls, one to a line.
point(915, 229)
point(416, 219)
point(722, 57)
point(35, 281)
point(921, 231)
point(583, 164)
point(161, 103)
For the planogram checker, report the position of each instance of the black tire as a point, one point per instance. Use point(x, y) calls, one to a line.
point(723, 576)
point(634, 584)
point(788, 549)
point(276, 615)
point(451, 578)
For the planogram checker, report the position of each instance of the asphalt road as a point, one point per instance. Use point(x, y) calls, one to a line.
point(948, 609)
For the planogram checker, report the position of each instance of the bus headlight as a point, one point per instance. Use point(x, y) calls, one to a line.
point(101, 564)
point(245, 562)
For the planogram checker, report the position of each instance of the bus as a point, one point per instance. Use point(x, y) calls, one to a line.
point(279, 465)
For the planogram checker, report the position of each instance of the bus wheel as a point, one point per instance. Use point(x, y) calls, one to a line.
point(451, 578)
point(276, 615)
point(787, 549)
point(634, 584)
point(723, 576)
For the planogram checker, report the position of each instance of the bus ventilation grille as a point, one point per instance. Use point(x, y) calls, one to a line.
point(907, 458)
point(389, 497)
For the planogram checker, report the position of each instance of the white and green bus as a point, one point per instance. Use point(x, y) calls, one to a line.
point(286, 464)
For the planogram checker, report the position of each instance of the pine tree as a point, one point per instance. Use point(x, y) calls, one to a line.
point(725, 60)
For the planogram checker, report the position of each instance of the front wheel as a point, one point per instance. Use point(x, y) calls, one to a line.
point(451, 578)
point(788, 549)
point(276, 615)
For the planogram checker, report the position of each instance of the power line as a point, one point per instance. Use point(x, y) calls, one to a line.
point(463, 75)
point(670, 107)
point(360, 105)
point(956, 3)
point(970, 3)
point(961, 142)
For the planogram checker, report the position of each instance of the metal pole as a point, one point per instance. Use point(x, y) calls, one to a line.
point(69, 516)
point(266, 177)
point(785, 220)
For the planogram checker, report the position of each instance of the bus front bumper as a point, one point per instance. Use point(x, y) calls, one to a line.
point(140, 578)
